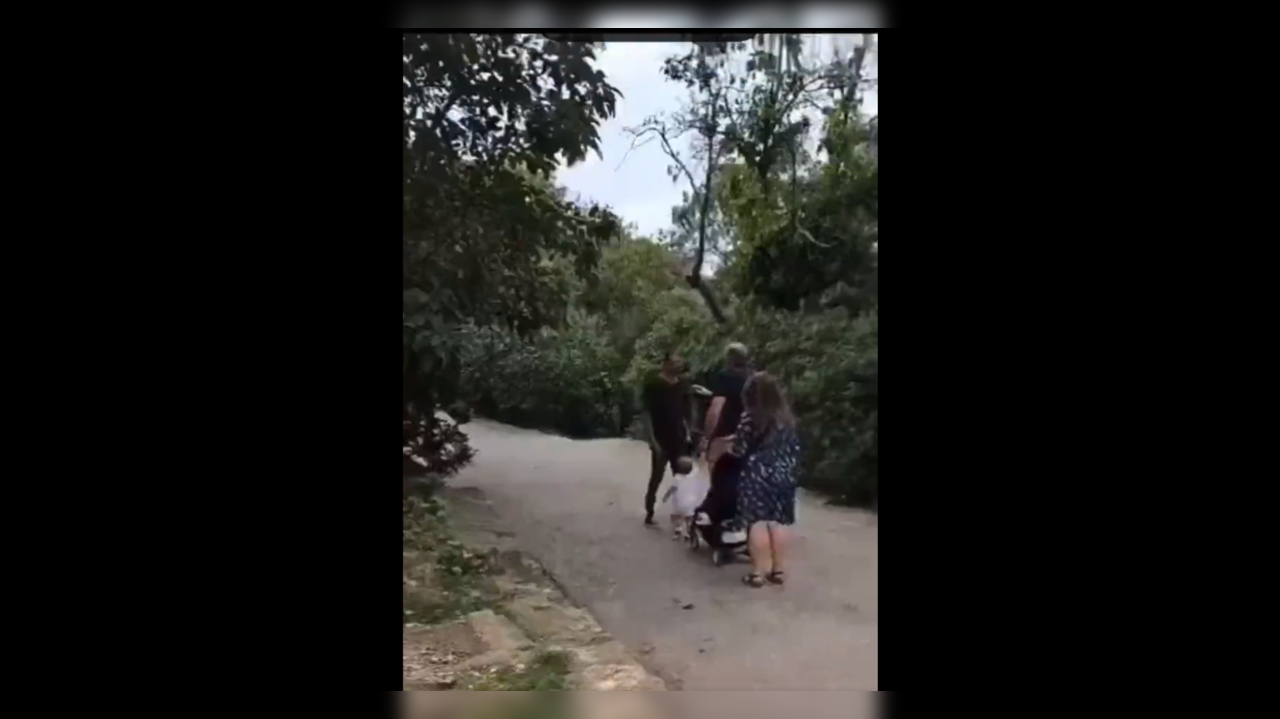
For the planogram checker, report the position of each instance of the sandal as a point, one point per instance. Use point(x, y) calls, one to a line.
point(752, 580)
point(777, 576)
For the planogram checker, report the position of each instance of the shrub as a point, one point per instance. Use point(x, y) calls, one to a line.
point(818, 357)
point(574, 380)
point(563, 380)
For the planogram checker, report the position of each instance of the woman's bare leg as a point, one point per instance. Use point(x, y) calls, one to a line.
point(761, 551)
point(778, 538)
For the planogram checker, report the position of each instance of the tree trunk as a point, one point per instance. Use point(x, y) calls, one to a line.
point(695, 275)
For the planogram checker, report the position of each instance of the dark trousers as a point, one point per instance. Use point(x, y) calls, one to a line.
point(657, 467)
point(722, 497)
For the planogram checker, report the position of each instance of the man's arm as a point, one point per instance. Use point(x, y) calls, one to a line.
point(713, 416)
point(646, 414)
point(690, 407)
point(647, 427)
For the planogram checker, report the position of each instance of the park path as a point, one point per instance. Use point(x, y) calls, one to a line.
point(577, 506)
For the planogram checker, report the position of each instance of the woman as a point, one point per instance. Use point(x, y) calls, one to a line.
point(767, 441)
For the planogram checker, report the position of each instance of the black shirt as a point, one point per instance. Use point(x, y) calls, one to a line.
point(668, 407)
point(729, 384)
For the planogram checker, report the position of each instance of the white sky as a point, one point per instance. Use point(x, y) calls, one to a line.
point(641, 191)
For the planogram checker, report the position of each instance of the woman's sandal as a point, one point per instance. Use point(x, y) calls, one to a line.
point(752, 580)
point(776, 577)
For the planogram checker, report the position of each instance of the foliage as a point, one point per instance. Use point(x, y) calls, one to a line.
point(442, 581)
point(563, 380)
point(815, 245)
point(631, 275)
point(486, 236)
point(703, 71)
point(682, 323)
point(682, 237)
point(504, 98)
point(800, 223)
point(818, 357)
point(805, 248)
point(752, 120)
point(577, 379)
point(577, 382)
point(537, 311)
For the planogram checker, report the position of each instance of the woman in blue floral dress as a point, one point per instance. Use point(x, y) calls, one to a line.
point(766, 437)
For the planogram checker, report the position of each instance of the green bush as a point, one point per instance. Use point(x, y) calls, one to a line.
point(483, 222)
point(576, 382)
point(681, 323)
point(564, 380)
point(817, 357)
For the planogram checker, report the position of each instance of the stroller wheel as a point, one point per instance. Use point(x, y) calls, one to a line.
point(718, 558)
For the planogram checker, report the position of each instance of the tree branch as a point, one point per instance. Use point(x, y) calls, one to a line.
point(859, 54)
point(695, 276)
point(660, 131)
point(635, 142)
point(712, 304)
point(708, 129)
point(666, 145)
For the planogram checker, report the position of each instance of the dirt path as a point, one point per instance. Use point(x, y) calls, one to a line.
point(577, 506)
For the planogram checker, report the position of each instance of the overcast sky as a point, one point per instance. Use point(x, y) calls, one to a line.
point(641, 191)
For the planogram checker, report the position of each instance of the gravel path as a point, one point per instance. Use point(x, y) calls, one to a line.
point(577, 506)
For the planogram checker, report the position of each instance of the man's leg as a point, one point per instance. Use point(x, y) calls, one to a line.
point(657, 467)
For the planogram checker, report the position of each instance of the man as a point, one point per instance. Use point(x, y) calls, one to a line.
point(721, 422)
point(726, 402)
point(668, 410)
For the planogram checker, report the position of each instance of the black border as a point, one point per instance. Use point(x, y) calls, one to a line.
point(1008, 373)
point(285, 505)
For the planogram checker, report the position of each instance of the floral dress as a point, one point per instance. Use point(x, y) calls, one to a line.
point(767, 488)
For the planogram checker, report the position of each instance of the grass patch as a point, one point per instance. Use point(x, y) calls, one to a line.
point(453, 587)
point(433, 607)
point(548, 672)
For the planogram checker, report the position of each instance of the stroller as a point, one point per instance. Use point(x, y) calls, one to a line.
point(716, 523)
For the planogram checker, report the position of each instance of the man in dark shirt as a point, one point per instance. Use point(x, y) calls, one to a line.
point(721, 422)
point(668, 409)
point(726, 402)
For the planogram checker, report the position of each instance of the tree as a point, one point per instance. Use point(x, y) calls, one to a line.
point(806, 230)
point(751, 117)
point(816, 244)
point(782, 182)
point(682, 237)
point(702, 71)
point(486, 118)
